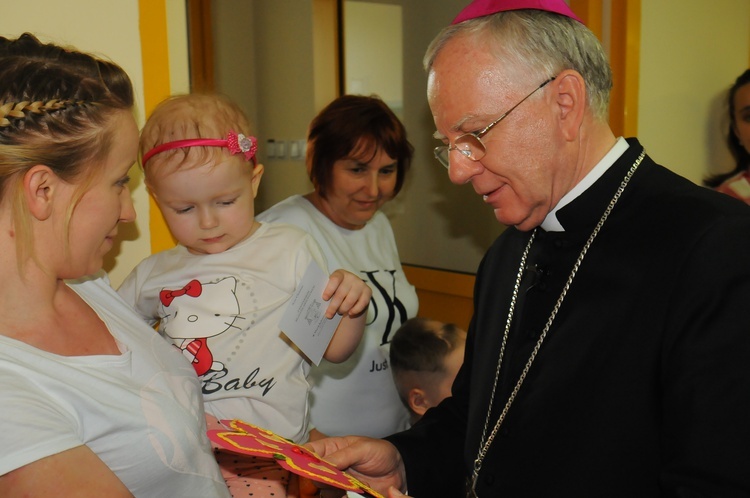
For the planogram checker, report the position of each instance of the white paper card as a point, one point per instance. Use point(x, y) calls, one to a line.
point(304, 320)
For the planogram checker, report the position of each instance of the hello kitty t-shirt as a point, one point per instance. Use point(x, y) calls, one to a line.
point(223, 311)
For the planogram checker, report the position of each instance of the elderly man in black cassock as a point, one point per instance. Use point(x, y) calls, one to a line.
point(609, 352)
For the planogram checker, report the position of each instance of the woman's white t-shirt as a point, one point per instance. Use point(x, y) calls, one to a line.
point(141, 411)
point(359, 395)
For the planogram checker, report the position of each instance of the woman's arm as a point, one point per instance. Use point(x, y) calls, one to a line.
point(76, 472)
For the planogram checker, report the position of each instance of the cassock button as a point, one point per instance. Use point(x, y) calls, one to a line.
point(558, 244)
point(489, 479)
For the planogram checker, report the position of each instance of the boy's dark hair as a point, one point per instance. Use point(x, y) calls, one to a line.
point(417, 346)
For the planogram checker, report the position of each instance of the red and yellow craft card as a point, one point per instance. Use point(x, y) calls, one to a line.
point(251, 440)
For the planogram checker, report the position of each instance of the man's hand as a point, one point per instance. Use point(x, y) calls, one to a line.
point(375, 462)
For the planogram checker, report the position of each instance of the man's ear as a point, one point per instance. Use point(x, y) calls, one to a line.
point(571, 100)
point(257, 174)
point(418, 401)
point(40, 185)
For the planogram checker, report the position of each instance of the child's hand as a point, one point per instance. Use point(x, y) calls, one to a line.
point(349, 295)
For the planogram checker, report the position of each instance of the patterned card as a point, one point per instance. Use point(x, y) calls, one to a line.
point(304, 320)
point(252, 440)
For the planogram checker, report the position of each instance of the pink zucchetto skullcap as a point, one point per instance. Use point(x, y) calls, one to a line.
point(481, 8)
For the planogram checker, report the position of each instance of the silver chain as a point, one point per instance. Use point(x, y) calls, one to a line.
point(486, 441)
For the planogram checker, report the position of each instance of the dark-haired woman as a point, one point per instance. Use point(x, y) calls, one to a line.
point(737, 182)
point(357, 158)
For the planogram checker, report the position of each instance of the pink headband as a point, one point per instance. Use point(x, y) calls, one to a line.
point(481, 8)
point(236, 143)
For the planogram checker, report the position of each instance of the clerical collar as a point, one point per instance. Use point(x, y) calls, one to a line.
point(551, 223)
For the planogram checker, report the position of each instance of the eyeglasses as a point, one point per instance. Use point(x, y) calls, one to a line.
point(470, 144)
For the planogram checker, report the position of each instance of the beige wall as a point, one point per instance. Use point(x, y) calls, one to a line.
point(690, 53)
point(111, 30)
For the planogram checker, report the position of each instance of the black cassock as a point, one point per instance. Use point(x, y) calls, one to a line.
point(642, 385)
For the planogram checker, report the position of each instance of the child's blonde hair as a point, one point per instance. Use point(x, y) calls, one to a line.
point(192, 116)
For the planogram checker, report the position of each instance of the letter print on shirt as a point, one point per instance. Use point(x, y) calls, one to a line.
point(385, 300)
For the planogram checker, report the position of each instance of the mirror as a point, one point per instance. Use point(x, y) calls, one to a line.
point(373, 51)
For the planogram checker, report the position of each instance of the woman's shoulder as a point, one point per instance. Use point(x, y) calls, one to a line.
point(380, 224)
point(737, 186)
point(279, 230)
point(290, 209)
point(279, 240)
point(283, 241)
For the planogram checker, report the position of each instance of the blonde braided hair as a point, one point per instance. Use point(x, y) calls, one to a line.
point(18, 110)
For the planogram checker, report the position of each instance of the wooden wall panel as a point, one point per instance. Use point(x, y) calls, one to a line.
point(443, 295)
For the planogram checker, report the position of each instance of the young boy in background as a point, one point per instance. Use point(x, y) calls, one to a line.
point(425, 357)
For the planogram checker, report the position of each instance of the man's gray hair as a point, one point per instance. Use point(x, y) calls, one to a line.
point(540, 41)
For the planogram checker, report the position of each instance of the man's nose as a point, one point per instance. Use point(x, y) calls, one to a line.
point(461, 169)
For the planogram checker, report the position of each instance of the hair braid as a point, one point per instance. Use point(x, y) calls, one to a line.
point(21, 110)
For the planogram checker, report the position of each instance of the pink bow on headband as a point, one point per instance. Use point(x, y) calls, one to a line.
point(236, 143)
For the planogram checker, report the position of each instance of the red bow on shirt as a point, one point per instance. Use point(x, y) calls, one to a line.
point(192, 289)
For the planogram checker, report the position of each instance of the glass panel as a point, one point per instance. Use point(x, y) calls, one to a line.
point(373, 52)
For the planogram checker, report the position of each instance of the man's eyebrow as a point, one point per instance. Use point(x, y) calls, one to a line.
point(457, 127)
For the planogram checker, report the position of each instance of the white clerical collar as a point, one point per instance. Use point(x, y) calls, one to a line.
point(551, 223)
